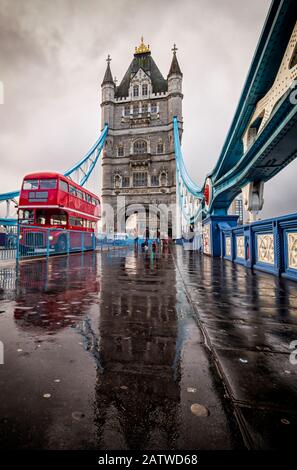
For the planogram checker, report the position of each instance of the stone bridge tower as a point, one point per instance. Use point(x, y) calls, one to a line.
point(138, 159)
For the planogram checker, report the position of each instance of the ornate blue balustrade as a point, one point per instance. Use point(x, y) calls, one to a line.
point(267, 245)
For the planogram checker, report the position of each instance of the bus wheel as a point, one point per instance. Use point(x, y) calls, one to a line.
point(61, 246)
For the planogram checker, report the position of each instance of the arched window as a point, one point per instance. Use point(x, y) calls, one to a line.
point(125, 181)
point(153, 108)
point(144, 89)
point(140, 147)
point(154, 180)
point(160, 147)
point(135, 90)
point(135, 110)
point(120, 150)
point(117, 181)
point(163, 179)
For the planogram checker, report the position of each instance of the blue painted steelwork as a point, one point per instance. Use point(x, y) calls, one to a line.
point(276, 145)
point(9, 196)
point(188, 182)
point(189, 195)
point(273, 149)
point(90, 158)
point(279, 229)
point(7, 222)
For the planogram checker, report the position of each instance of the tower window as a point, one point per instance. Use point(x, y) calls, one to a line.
point(127, 110)
point(163, 179)
point(120, 150)
point(117, 181)
point(139, 179)
point(160, 147)
point(154, 180)
point(144, 90)
point(135, 90)
point(153, 108)
point(140, 147)
point(126, 182)
point(135, 110)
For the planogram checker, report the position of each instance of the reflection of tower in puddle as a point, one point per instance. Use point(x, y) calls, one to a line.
point(54, 293)
point(138, 391)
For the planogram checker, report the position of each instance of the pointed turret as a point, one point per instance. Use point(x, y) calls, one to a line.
point(108, 75)
point(174, 80)
point(108, 89)
point(174, 68)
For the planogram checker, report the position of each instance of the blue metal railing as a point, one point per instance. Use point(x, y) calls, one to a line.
point(35, 241)
point(38, 241)
point(8, 241)
point(268, 245)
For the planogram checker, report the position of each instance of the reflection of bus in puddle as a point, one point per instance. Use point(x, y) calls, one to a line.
point(54, 294)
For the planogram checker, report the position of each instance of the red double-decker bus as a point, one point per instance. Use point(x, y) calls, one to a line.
point(53, 201)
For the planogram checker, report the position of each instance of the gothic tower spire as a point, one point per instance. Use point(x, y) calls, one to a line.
point(174, 68)
point(108, 75)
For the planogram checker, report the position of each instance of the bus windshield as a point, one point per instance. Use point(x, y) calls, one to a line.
point(48, 184)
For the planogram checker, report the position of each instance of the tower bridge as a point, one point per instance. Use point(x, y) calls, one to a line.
point(144, 174)
point(187, 345)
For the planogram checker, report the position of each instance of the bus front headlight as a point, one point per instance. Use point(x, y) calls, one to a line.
point(50, 237)
point(20, 237)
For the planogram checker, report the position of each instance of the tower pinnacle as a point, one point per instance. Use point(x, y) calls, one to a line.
point(174, 68)
point(108, 75)
point(142, 48)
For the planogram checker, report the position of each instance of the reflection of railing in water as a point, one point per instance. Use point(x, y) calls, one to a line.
point(8, 279)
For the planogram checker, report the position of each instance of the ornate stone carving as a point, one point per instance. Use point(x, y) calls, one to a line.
point(240, 248)
point(292, 250)
point(265, 248)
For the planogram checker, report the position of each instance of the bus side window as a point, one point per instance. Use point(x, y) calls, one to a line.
point(72, 190)
point(48, 184)
point(63, 186)
point(58, 219)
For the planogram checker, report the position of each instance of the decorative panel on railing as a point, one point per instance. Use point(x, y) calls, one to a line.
point(240, 249)
point(267, 245)
point(265, 248)
point(292, 249)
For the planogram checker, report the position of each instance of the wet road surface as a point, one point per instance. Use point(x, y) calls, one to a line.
point(126, 350)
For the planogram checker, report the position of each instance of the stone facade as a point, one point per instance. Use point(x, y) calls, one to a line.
point(138, 159)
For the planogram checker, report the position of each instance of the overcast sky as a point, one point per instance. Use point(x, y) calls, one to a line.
point(52, 60)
